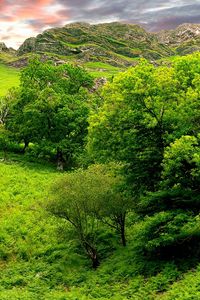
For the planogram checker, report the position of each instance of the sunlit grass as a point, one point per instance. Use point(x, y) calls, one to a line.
point(9, 77)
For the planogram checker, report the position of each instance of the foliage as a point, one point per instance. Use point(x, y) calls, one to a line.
point(40, 259)
point(181, 164)
point(84, 198)
point(144, 134)
point(130, 125)
point(51, 110)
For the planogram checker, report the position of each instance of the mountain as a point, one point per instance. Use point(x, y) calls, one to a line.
point(115, 43)
point(183, 40)
point(5, 49)
point(105, 47)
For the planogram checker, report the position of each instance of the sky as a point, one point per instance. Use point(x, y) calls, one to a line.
point(20, 19)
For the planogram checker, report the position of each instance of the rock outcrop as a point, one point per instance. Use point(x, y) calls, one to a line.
point(115, 43)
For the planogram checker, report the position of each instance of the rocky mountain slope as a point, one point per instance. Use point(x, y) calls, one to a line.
point(112, 44)
point(4, 48)
point(183, 40)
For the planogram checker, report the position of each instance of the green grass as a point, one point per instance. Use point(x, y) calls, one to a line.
point(100, 69)
point(9, 77)
point(100, 65)
point(39, 258)
point(6, 57)
point(106, 74)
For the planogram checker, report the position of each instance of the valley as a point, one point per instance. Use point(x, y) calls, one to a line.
point(100, 164)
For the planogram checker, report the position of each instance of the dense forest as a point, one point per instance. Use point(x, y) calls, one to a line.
point(100, 187)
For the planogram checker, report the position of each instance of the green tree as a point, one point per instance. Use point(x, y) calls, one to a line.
point(4, 141)
point(144, 110)
point(85, 198)
point(181, 164)
point(6, 104)
point(52, 109)
point(172, 227)
point(130, 125)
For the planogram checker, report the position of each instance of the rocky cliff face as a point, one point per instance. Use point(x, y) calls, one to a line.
point(115, 43)
point(5, 49)
point(182, 34)
point(184, 39)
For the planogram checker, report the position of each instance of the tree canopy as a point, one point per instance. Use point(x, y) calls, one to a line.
point(51, 109)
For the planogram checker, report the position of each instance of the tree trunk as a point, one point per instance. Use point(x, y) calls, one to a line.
point(95, 260)
point(122, 219)
point(5, 155)
point(26, 143)
point(123, 237)
point(60, 160)
point(92, 253)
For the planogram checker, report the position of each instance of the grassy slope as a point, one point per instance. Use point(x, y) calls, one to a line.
point(38, 263)
point(9, 77)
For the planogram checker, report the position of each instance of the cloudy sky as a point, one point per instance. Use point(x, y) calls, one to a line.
point(20, 19)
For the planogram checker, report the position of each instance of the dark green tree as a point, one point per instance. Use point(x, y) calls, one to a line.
point(144, 110)
point(52, 109)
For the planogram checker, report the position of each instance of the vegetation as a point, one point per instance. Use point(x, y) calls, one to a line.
point(122, 219)
point(50, 110)
point(9, 77)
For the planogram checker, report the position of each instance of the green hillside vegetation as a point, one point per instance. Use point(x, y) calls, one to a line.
point(99, 69)
point(9, 77)
point(41, 261)
point(100, 188)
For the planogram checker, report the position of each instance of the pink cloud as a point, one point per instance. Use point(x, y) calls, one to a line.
point(23, 19)
point(41, 10)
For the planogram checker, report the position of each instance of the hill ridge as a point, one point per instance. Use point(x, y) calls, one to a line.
point(117, 44)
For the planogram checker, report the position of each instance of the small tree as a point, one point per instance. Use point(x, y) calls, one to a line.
point(85, 198)
point(112, 210)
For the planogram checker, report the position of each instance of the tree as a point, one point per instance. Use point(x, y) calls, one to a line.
point(6, 104)
point(150, 121)
point(52, 109)
point(181, 165)
point(130, 125)
point(144, 110)
point(173, 210)
point(85, 198)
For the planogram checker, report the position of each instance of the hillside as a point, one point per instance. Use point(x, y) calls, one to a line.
point(100, 191)
point(114, 43)
point(104, 49)
point(183, 40)
point(36, 263)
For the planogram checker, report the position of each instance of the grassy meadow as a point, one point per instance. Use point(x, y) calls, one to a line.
point(38, 263)
point(9, 77)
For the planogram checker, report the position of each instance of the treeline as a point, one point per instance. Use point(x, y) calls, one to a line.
point(134, 144)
